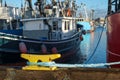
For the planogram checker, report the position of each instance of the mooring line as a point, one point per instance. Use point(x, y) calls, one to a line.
point(96, 45)
point(51, 64)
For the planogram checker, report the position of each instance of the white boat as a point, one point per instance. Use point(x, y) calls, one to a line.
point(85, 18)
point(9, 19)
point(54, 30)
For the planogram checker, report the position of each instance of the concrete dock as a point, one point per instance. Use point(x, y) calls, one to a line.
point(61, 74)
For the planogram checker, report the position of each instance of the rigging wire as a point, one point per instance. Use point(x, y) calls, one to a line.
point(93, 53)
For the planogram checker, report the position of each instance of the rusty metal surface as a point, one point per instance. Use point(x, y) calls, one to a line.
point(61, 74)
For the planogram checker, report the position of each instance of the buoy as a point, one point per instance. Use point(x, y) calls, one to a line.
point(54, 50)
point(43, 48)
point(22, 47)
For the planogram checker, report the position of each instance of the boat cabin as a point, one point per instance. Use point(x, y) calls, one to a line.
point(56, 28)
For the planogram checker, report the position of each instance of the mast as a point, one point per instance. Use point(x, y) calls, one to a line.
point(22, 9)
point(0, 3)
point(109, 6)
point(116, 5)
point(5, 4)
point(83, 6)
point(28, 10)
point(41, 5)
point(30, 4)
point(119, 5)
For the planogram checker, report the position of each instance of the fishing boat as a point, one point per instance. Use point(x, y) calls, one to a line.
point(51, 29)
point(88, 26)
point(9, 19)
point(85, 18)
point(113, 39)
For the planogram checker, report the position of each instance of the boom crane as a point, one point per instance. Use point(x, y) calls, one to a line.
point(28, 10)
point(29, 4)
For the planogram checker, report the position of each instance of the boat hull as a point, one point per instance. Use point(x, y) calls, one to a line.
point(14, 32)
point(68, 48)
point(113, 39)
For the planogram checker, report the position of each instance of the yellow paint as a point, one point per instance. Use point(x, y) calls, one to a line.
point(33, 58)
point(38, 68)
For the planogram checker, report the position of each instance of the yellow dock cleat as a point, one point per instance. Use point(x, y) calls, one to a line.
point(33, 58)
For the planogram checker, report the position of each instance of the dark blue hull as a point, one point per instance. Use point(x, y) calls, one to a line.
point(68, 48)
point(14, 32)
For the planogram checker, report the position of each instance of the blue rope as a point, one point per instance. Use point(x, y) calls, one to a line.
point(93, 53)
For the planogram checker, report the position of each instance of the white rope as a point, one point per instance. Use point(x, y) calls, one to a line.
point(113, 53)
point(51, 64)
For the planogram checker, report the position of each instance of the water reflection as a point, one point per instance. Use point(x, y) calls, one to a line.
point(93, 47)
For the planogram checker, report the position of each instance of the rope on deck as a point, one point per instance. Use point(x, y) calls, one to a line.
point(51, 64)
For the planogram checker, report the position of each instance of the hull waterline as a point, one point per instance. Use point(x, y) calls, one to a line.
point(69, 50)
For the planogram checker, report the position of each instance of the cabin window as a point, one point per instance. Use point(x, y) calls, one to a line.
point(3, 24)
point(40, 26)
point(55, 25)
point(67, 25)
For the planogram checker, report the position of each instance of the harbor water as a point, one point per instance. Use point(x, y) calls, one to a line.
point(93, 47)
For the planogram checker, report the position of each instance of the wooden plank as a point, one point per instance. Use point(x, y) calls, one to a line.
point(61, 74)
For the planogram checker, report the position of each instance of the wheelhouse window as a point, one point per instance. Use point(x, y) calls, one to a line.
point(40, 27)
point(67, 25)
point(55, 25)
